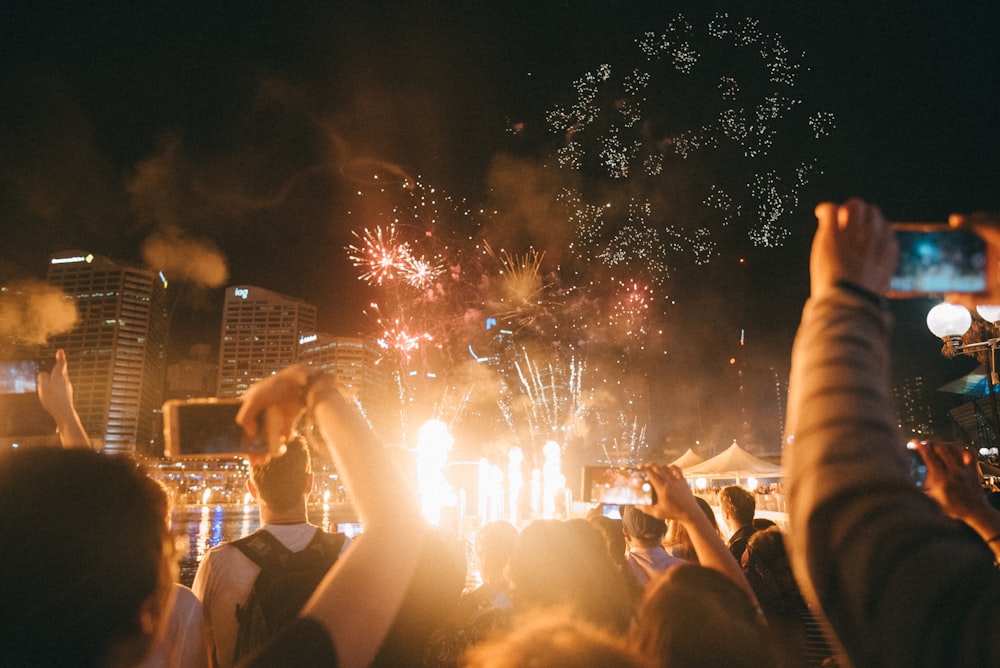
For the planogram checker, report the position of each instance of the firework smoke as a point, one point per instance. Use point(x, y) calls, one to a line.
point(33, 311)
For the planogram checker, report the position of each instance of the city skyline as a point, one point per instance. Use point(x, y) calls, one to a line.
point(250, 140)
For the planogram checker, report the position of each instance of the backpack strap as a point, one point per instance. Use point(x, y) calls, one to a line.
point(327, 544)
point(265, 550)
point(262, 548)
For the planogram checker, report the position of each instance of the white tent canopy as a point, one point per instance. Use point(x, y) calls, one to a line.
point(688, 460)
point(734, 462)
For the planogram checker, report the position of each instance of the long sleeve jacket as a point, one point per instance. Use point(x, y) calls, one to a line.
point(900, 583)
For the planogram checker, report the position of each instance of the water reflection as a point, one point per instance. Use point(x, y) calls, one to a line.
point(208, 525)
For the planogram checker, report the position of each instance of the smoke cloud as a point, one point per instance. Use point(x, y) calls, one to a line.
point(32, 311)
point(526, 192)
point(180, 256)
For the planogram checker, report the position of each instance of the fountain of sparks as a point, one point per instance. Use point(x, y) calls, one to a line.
point(496, 497)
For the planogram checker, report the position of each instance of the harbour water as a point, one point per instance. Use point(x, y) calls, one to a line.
point(207, 525)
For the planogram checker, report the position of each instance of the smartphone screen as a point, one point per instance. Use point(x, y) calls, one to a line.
point(611, 511)
point(202, 428)
point(616, 486)
point(918, 468)
point(935, 259)
point(21, 413)
point(19, 377)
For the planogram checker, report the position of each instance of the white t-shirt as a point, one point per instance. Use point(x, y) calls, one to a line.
point(224, 580)
point(183, 642)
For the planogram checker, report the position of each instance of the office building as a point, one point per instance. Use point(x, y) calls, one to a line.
point(354, 362)
point(913, 408)
point(117, 350)
point(260, 335)
point(193, 376)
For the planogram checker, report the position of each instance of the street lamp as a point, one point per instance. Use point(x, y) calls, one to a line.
point(951, 321)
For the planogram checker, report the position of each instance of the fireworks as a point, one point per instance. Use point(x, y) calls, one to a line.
point(659, 155)
point(636, 128)
point(385, 259)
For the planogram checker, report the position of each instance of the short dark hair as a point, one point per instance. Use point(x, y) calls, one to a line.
point(84, 543)
point(642, 527)
point(281, 482)
point(738, 504)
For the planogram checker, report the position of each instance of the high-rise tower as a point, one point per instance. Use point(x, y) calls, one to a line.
point(117, 351)
point(260, 335)
point(354, 362)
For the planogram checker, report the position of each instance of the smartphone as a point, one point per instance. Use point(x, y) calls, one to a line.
point(21, 413)
point(611, 511)
point(935, 259)
point(918, 468)
point(202, 428)
point(615, 485)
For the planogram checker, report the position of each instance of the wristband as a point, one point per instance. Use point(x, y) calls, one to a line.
point(876, 300)
point(316, 383)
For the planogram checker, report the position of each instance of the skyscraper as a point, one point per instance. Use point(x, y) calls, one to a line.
point(354, 362)
point(117, 350)
point(260, 335)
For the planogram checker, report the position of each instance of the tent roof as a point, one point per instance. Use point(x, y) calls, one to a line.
point(688, 460)
point(973, 384)
point(734, 462)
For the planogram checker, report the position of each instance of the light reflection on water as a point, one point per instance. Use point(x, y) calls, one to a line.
point(208, 525)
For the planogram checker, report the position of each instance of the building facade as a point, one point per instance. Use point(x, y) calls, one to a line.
point(354, 362)
point(193, 376)
point(117, 350)
point(260, 336)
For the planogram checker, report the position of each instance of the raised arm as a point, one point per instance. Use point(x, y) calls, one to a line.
point(359, 599)
point(56, 394)
point(675, 501)
point(900, 583)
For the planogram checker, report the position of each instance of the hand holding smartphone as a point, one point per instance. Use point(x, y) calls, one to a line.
point(21, 411)
point(206, 427)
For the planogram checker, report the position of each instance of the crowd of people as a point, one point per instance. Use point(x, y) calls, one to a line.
point(872, 571)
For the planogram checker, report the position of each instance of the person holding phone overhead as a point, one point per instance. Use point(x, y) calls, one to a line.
point(900, 583)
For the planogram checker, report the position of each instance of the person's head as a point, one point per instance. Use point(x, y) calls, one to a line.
point(495, 543)
point(555, 639)
point(642, 529)
point(766, 565)
point(709, 513)
point(614, 535)
point(566, 564)
point(88, 558)
point(696, 616)
point(761, 523)
point(677, 536)
point(283, 483)
point(738, 505)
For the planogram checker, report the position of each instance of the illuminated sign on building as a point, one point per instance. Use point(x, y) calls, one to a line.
point(242, 293)
point(76, 258)
point(309, 338)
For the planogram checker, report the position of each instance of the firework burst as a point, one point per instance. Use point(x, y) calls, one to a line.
point(625, 127)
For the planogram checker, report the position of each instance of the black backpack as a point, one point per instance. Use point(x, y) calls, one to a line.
point(286, 581)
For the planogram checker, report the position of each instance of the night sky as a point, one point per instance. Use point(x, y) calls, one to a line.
point(244, 131)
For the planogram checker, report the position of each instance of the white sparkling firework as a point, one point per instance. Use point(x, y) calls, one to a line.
point(619, 127)
point(554, 392)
